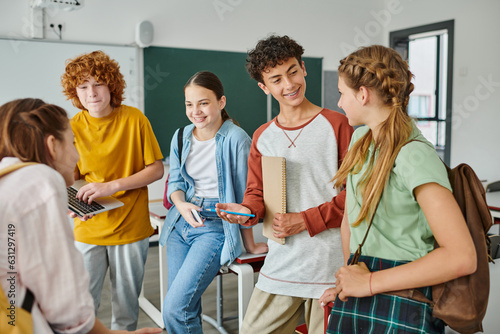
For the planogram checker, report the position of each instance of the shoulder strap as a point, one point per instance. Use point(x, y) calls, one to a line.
point(357, 254)
point(29, 298)
point(179, 143)
point(14, 167)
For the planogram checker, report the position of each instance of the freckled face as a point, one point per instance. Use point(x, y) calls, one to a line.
point(95, 97)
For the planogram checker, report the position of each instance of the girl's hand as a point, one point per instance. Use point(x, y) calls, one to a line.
point(184, 209)
point(353, 281)
point(328, 296)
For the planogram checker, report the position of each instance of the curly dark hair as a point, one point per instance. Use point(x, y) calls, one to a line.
point(96, 64)
point(270, 52)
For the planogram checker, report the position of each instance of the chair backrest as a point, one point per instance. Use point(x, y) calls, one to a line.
point(494, 243)
point(493, 186)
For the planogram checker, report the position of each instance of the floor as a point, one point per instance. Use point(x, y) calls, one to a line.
point(152, 292)
point(491, 321)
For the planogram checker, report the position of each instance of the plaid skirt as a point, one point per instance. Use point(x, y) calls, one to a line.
point(383, 313)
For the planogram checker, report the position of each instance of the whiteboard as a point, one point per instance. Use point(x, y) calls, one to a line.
point(33, 68)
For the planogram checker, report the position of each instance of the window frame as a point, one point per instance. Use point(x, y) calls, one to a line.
point(399, 40)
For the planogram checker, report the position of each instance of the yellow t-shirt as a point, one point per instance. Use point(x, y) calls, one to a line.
point(111, 148)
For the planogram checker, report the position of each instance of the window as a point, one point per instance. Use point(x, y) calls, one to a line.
point(429, 52)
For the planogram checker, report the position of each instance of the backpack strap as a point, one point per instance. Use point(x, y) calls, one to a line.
point(180, 133)
point(29, 299)
point(14, 167)
point(357, 254)
point(179, 142)
point(406, 293)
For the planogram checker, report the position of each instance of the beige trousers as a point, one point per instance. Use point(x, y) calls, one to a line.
point(269, 313)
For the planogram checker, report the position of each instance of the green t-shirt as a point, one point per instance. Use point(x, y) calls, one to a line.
point(400, 230)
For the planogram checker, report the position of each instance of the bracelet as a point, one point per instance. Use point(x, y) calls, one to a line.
point(371, 293)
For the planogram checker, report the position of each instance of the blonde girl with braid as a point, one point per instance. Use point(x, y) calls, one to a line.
point(395, 175)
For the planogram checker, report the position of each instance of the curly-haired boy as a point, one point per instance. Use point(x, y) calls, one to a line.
point(313, 140)
point(119, 156)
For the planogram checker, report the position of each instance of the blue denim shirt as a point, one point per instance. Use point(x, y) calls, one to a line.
point(232, 146)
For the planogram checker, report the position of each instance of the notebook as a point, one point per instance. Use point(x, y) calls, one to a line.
point(97, 206)
point(274, 188)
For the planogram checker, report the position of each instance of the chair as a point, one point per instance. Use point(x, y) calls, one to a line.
point(494, 243)
point(244, 267)
point(328, 311)
point(493, 186)
point(302, 329)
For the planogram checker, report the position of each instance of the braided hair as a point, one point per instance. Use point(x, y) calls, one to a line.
point(383, 70)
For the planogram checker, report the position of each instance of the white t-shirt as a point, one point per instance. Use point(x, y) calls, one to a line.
point(202, 167)
point(33, 214)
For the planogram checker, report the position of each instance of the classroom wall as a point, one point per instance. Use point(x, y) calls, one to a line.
point(225, 25)
point(328, 29)
point(476, 76)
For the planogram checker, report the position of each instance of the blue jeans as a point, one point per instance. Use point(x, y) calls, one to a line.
point(193, 260)
point(126, 272)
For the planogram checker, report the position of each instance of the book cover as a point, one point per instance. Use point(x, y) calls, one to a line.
point(274, 188)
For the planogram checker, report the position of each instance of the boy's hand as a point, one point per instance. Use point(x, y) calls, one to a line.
point(328, 296)
point(234, 207)
point(287, 224)
point(91, 191)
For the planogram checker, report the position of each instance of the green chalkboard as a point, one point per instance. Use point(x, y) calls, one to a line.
point(166, 70)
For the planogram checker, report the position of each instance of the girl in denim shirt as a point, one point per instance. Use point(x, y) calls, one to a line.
point(213, 169)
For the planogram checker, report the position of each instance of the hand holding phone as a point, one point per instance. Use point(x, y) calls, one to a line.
point(197, 216)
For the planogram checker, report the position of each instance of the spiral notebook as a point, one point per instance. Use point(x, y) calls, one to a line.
point(274, 188)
